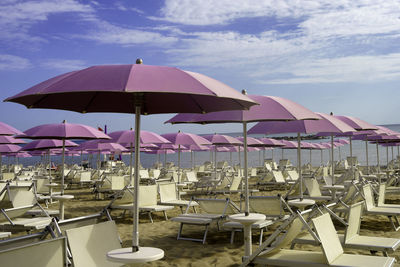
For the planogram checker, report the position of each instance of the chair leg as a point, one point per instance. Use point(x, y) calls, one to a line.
point(165, 215)
point(205, 234)
point(232, 235)
point(261, 236)
point(194, 209)
point(151, 219)
point(180, 231)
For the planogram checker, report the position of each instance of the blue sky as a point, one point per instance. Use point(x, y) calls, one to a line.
point(340, 56)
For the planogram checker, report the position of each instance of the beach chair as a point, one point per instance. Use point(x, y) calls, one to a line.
point(381, 198)
point(8, 176)
point(271, 206)
point(332, 254)
point(212, 211)
point(45, 253)
point(90, 244)
point(169, 196)
point(352, 238)
point(314, 191)
point(372, 209)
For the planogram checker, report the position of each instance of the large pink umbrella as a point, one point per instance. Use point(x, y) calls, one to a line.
point(185, 139)
point(139, 89)
point(5, 139)
point(270, 108)
point(6, 129)
point(127, 138)
point(327, 124)
point(63, 131)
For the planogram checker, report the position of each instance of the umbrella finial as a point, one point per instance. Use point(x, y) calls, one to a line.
point(244, 92)
point(64, 121)
point(331, 113)
point(139, 61)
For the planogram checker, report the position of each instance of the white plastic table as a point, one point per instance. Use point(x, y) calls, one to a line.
point(301, 204)
point(61, 199)
point(334, 188)
point(247, 221)
point(126, 256)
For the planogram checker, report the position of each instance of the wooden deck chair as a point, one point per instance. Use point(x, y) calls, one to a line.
point(46, 253)
point(169, 196)
point(212, 210)
point(372, 209)
point(333, 250)
point(89, 244)
point(352, 238)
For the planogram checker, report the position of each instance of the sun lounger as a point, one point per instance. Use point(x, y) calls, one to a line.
point(39, 254)
point(169, 196)
point(89, 244)
point(212, 210)
point(372, 209)
point(332, 250)
point(352, 238)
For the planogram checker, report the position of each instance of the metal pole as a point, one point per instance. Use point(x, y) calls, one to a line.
point(351, 158)
point(135, 236)
point(62, 167)
point(299, 164)
point(377, 158)
point(130, 165)
point(366, 155)
point(333, 161)
point(246, 204)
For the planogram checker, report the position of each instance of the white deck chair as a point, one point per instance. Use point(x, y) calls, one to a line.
point(333, 250)
point(382, 196)
point(313, 190)
point(39, 254)
point(293, 175)
point(278, 177)
point(169, 196)
point(89, 244)
point(371, 208)
point(212, 210)
point(353, 239)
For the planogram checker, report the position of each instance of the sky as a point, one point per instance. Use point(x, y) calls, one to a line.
point(337, 56)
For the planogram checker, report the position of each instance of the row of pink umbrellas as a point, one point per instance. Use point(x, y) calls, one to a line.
point(143, 89)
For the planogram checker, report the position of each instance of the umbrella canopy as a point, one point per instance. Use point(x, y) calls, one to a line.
point(270, 142)
point(8, 148)
point(221, 139)
point(6, 129)
point(186, 139)
point(357, 123)
point(120, 88)
point(47, 144)
point(128, 137)
point(139, 89)
point(5, 139)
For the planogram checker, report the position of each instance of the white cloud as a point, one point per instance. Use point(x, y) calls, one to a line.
point(17, 17)
point(107, 33)
point(64, 64)
point(11, 62)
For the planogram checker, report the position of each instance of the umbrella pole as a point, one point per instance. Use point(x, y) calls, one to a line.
point(165, 157)
point(194, 160)
point(322, 157)
point(62, 167)
point(387, 157)
point(230, 158)
point(272, 156)
point(392, 153)
point(1, 163)
point(340, 154)
point(179, 166)
point(191, 159)
point(351, 158)
point(246, 182)
point(333, 161)
point(130, 165)
point(310, 158)
point(215, 161)
point(377, 158)
point(299, 164)
point(135, 236)
point(366, 155)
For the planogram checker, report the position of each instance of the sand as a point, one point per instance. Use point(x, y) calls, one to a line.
point(218, 251)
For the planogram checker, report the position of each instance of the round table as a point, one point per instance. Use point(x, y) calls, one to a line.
point(247, 221)
point(61, 199)
point(334, 188)
point(143, 255)
point(301, 204)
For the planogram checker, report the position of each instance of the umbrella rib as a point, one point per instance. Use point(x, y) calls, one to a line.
point(39, 100)
point(197, 104)
point(90, 102)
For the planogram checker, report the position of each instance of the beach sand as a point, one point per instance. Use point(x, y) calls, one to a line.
point(218, 251)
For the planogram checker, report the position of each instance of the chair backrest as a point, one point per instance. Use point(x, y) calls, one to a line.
point(8, 175)
point(144, 174)
point(235, 183)
point(117, 182)
point(41, 185)
point(217, 206)
point(14, 213)
point(381, 197)
point(312, 187)
point(267, 166)
point(155, 173)
point(148, 195)
point(368, 196)
point(278, 176)
point(89, 244)
point(283, 163)
point(294, 175)
point(326, 232)
point(353, 221)
point(271, 206)
point(191, 177)
point(289, 235)
point(85, 176)
point(50, 252)
point(167, 192)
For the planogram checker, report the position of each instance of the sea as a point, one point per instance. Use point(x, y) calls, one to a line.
point(255, 158)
